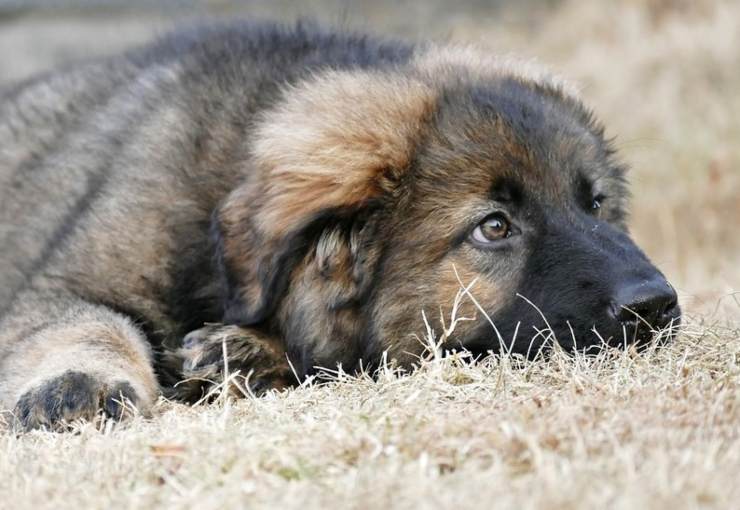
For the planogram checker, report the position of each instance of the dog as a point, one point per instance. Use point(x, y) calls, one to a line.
point(296, 198)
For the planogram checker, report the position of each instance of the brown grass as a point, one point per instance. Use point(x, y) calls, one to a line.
point(622, 430)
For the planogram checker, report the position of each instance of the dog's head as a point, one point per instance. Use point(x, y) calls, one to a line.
point(372, 196)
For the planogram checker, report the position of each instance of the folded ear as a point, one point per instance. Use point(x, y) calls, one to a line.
point(333, 147)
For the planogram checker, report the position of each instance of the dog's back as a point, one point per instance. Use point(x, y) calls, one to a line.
point(68, 138)
point(109, 174)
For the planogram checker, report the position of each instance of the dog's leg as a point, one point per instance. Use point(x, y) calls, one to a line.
point(253, 362)
point(63, 359)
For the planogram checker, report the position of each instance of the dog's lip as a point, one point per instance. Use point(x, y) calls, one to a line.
point(640, 334)
point(635, 331)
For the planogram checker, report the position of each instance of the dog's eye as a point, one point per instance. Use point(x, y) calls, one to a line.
point(493, 228)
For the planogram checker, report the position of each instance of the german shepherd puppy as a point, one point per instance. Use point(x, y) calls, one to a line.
point(295, 199)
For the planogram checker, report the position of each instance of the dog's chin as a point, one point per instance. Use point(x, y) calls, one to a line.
point(490, 344)
point(634, 334)
point(629, 335)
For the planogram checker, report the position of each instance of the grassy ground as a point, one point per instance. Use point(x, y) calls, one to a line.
point(660, 429)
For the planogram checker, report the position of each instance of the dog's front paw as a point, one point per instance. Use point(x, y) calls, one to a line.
point(57, 402)
point(256, 361)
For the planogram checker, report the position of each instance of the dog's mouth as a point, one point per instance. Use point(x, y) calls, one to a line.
point(635, 334)
point(639, 332)
point(650, 322)
point(627, 332)
point(530, 340)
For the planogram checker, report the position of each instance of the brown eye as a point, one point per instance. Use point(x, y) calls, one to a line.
point(493, 228)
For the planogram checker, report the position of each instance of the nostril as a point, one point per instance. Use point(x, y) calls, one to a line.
point(647, 301)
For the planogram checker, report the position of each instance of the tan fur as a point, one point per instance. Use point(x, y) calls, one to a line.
point(448, 62)
point(335, 141)
point(119, 353)
point(255, 362)
point(282, 203)
point(83, 338)
point(338, 139)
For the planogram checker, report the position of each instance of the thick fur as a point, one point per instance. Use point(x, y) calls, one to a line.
point(295, 198)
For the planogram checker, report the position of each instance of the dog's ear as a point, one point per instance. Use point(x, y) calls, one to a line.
point(333, 149)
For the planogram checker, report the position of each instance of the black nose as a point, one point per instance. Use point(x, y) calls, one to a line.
point(650, 301)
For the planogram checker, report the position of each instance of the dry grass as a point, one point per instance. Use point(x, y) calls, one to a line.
point(660, 429)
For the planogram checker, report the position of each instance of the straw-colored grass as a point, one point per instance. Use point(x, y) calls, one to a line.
point(659, 429)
